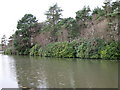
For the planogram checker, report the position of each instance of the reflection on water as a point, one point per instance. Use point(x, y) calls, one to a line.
point(7, 72)
point(57, 73)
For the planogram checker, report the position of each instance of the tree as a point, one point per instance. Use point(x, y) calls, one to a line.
point(71, 25)
point(3, 41)
point(26, 22)
point(107, 6)
point(22, 38)
point(83, 15)
point(53, 17)
point(116, 5)
point(116, 8)
point(98, 11)
point(53, 14)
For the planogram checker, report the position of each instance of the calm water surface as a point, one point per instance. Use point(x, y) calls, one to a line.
point(19, 71)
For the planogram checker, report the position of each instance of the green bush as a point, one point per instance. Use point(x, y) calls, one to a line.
point(110, 51)
point(93, 48)
point(81, 50)
point(34, 51)
point(58, 49)
point(41, 52)
point(90, 49)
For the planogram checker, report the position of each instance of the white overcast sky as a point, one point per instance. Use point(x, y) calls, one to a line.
point(13, 10)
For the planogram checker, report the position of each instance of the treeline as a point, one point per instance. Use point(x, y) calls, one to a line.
point(28, 27)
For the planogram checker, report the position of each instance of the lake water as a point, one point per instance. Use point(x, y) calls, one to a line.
point(41, 72)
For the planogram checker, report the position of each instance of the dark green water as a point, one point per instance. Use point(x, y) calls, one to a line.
point(19, 71)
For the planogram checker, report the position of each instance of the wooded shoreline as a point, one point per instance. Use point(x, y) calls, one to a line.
point(92, 34)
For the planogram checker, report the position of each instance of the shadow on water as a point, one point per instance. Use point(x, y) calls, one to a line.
point(44, 72)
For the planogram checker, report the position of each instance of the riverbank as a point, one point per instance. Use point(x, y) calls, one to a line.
point(84, 49)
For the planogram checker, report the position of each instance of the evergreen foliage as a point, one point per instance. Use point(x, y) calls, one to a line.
point(83, 15)
point(22, 38)
point(111, 51)
point(53, 17)
point(72, 27)
point(34, 50)
point(58, 49)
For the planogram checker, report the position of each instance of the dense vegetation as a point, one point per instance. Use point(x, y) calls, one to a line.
point(58, 49)
point(96, 48)
point(22, 37)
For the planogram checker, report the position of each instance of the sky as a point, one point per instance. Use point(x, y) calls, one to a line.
point(11, 11)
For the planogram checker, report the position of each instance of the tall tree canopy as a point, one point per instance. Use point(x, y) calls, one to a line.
point(98, 11)
point(107, 6)
point(22, 39)
point(53, 14)
point(83, 14)
point(53, 17)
